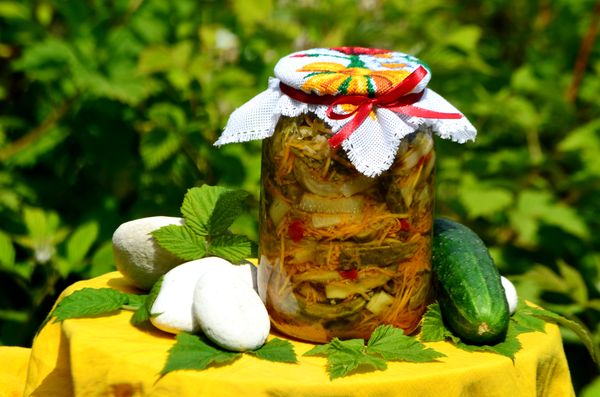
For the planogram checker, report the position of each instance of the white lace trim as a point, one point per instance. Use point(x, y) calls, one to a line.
point(371, 147)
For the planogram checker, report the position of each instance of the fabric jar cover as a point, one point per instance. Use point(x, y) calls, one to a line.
point(371, 99)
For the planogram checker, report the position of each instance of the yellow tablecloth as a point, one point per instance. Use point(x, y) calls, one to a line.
point(13, 370)
point(106, 356)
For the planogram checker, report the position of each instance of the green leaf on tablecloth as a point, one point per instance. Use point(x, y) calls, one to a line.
point(181, 241)
point(318, 350)
point(523, 321)
point(89, 302)
point(196, 353)
point(386, 344)
point(143, 312)
point(508, 347)
point(137, 303)
point(277, 350)
point(140, 316)
point(391, 344)
point(433, 328)
point(134, 301)
point(346, 356)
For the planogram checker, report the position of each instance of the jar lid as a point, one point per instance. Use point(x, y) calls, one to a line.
point(371, 99)
point(340, 71)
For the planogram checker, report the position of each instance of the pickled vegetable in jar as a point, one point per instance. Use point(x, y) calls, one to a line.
point(347, 193)
point(343, 252)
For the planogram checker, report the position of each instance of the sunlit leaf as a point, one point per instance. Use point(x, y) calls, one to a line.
point(252, 13)
point(537, 207)
point(482, 200)
point(575, 284)
point(80, 242)
point(7, 251)
point(157, 146)
point(14, 10)
point(102, 260)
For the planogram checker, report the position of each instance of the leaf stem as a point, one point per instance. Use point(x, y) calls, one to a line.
point(587, 44)
point(131, 307)
point(37, 132)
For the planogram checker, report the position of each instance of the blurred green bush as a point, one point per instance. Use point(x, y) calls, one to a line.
point(108, 111)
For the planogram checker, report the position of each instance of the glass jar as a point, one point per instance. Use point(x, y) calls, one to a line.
point(342, 253)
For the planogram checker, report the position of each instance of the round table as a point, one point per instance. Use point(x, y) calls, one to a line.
point(106, 356)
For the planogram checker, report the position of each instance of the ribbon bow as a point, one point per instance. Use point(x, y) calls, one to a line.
point(397, 100)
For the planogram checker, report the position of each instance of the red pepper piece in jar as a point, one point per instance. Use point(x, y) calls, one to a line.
point(296, 230)
point(351, 274)
point(424, 159)
point(404, 225)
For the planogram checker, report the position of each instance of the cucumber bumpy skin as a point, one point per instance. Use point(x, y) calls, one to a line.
point(470, 294)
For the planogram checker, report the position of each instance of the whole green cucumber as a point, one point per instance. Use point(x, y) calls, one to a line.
point(470, 294)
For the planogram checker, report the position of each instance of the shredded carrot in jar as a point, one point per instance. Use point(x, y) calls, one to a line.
point(359, 254)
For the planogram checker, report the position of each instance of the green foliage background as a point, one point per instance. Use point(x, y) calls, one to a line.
point(108, 111)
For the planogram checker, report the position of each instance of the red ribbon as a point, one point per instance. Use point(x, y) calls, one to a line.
point(397, 100)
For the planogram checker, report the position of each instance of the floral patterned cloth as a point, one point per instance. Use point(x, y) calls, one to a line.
point(347, 71)
point(371, 99)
